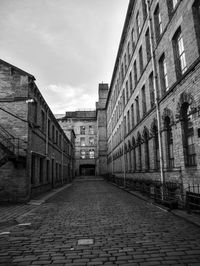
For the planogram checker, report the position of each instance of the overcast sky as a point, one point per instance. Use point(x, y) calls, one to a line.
point(68, 45)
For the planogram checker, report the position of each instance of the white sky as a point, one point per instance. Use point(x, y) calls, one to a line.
point(70, 46)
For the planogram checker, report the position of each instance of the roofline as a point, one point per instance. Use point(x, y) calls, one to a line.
point(127, 20)
point(24, 72)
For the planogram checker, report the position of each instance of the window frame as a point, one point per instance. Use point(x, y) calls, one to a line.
point(163, 73)
point(158, 23)
point(179, 53)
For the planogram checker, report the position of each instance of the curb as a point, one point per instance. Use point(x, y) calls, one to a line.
point(49, 195)
point(35, 203)
point(180, 214)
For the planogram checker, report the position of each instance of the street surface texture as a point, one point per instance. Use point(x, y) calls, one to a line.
point(95, 223)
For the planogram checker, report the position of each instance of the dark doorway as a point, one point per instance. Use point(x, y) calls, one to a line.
point(87, 169)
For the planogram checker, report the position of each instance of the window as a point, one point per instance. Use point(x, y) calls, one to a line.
point(132, 40)
point(42, 121)
point(138, 24)
point(169, 142)
point(130, 83)
point(148, 45)
point(125, 62)
point(83, 154)
point(158, 23)
point(196, 16)
point(123, 98)
point(128, 53)
point(125, 125)
point(151, 90)
point(82, 141)
point(141, 60)
point(35, 108)
point(82, 130)
point(122, 72)
point(128, 122)
point(144, 7)
point(127, 92)
point(59, 140)
point(91, 141)
point(179, 53)
point(163, 74)
point(134, 155)
point(91, 153)
point(188, 135)
point(137, 109)
point(139, 154)
point(91, 130)
point(135, 73)
point(130, 157)
point(146, 150)
point(174, 3)
point(144, 106)
point(132, 115)
point(156, 148)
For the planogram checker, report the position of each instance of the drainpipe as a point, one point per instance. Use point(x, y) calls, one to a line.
point(62, 148)
point(124, 159)
point(155, 81)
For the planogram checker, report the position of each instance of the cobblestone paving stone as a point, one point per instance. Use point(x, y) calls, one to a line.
point(9, 213)
point(125, 230)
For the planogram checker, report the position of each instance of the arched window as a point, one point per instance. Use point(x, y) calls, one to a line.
point(196, 17)
point(130, 157)
point(126, 158)
point(188, 135)
point(139, 164)
point(146, 150)
point(169, 143)
point(134, 155)
point(156, 147)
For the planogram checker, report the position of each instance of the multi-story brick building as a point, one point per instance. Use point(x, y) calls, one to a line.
point(153, 104)
point(35, 153)
point(84, 124)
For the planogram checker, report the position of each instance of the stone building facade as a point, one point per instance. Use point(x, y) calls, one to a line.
point(35, 153)
point(101, 161)
point(84, 124)
point(153, 104)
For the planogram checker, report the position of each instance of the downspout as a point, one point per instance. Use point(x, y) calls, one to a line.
point(62, 147)
point(124, 159)
point(155, 81)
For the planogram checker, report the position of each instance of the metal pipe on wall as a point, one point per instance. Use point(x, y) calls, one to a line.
point(155, 81)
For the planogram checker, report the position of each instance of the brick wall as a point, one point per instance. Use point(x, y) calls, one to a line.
point(41, 159)
point(184, 87)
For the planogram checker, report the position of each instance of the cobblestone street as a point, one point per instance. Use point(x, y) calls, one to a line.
point(121, 230)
